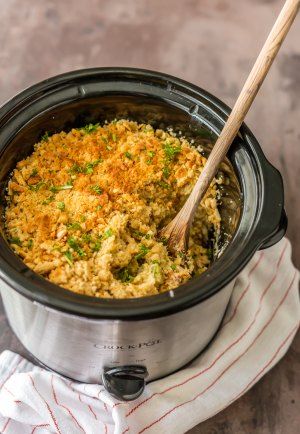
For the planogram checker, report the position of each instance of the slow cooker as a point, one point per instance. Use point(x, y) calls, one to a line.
point(123, 343)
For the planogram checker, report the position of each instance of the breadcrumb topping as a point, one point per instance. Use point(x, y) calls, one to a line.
point(85, 208)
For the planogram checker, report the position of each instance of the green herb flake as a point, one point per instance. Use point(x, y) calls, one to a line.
point(164, 184)
point(124, 275)
point(96, 246)
point(108, 233)
point(56, 188)
point(143, 252)
point(137, 233)
point(82, 218)
point(73, 243)
point(128, 155)
point(166, 172)
point(174, 267)
point(37, 187)
point(75, 169)
point(74, 226)
point(16, 241)
point(98, 207)
point(34, 172)
point(171, 151)
point(151, 154)
point(45, 137)
point(61, 206)
point(155, 268)
point(163, 240)
point(69, 257)
point(30, 244)
point(47, 201)
point(87, 237)
point(90, 128)
point(114, 137)
point(96, 189)
point(87, 169)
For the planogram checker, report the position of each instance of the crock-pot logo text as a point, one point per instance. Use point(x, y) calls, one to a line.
point(129, 346)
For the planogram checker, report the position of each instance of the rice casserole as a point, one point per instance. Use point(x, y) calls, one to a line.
point(85, 208)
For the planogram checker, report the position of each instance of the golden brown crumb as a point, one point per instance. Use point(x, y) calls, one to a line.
point(85, 208)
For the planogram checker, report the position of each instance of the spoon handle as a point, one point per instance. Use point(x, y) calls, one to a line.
point(179, 227)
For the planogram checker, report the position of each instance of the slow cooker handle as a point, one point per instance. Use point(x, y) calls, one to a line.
point(125, 383)
point(273, 219)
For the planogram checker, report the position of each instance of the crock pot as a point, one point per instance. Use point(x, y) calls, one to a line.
point(123, 343)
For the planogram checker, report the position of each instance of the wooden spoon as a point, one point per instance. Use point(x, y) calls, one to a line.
point(177, 231)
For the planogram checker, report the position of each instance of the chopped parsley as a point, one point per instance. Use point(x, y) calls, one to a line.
point(69, 257)
point(73, 243)
point(155, 268)
point(163, 240)
point(137, 233)
point(45, 137)
point(30, 244)
point(171, 150)
point(124, 275)
point(143, 252)
point(114, 137)
point(16, 240)
point(87, 237)
point(96, 189)
point(56, 188)
point(74, 226)
point(96, 246)
point(140, 235)
point(90, 128)
point(151, 154)
point(128, 155)
point(174, 267)
point(166, 172)
point(108, 233)
point(34, 172)
point(61, 205)
point(87, 169)
point(75, 169)
point(163, 184)
point(38, 186)
point(47, 201)
point(98, 207)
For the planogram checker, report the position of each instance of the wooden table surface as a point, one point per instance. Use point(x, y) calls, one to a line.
point(213, 44)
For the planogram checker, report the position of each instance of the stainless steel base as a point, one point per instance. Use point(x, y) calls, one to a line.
point(80, 348)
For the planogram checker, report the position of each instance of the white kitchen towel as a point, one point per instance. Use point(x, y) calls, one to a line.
point(259, 326)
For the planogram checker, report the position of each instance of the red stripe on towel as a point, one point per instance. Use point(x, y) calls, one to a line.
point(227, 368)
point(64, 406)
point(46, 403)
point(39, 426)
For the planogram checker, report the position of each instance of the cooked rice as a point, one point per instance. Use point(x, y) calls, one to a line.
point(84, 209)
